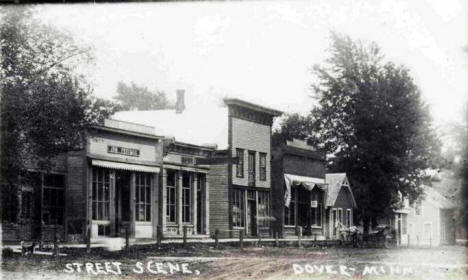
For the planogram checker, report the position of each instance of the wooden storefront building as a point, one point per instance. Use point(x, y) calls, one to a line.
point(306, 196)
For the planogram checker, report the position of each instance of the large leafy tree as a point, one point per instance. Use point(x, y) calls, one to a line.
point(372, 121)
point(45, 104)
point(136, 97)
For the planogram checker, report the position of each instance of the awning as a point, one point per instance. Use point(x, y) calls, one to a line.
point(296, 180)
point(125, 166)
point(307, 182)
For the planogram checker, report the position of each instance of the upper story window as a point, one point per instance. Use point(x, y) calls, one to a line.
point(251, 168)
point(262, 166)
point(240, 163)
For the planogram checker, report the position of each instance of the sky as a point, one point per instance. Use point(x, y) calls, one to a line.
point(263, 51)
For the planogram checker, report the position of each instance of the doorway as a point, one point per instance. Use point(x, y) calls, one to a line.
point(200, 206)
point(122, 201)
point(303, 210)
point(251, 213)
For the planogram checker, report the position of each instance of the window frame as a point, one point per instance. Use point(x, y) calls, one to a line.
point(287, 210)
point(348, 218)
point(238, 202)
point(187, 198)
point(262, 167)
point(171, 192)
point(263, 213)
point(317, 212)
point(100, 194)
point(240, 153)
point(251, 176)
point(143, 196)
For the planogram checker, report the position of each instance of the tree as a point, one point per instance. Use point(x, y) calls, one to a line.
point(136, 97)
point(45, 104)
point(372, 121)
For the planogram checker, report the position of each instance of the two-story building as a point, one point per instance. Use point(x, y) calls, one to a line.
point(305, 195)
point(429, 221)
point(237, 173)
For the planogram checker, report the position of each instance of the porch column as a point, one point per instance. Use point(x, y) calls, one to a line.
point(112, 201)
point(155, 203)
point(194, 201)
point(246, 220)
point(89, 199)
point(164, 200)
point(132, 203)
point(257, 226)
point(207, 207)
point(179, 200)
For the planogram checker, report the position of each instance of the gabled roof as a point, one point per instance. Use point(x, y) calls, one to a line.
point(435, 198)
point(335, 182)
point(198, 125)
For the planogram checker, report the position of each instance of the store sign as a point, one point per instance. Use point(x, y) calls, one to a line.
point(123, 151)
point(187, 160)
point(313, 203)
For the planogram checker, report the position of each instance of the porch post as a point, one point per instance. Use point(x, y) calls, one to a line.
point(164, 200)
point(194, 201)
point(132, 204)
point(112, 198)
point(179, 200)
point(155, 203)
point(207, 207)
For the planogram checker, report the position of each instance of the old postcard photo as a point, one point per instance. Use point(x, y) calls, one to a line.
point(234, 140)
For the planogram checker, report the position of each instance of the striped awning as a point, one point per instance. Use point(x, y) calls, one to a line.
point(125, 166)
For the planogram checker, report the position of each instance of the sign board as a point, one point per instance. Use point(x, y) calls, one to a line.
point(123, 151)
point(313, 203)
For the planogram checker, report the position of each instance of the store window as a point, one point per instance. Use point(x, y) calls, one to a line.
point(263, 209)
point(290, 212)
point(348, 218)
point(100, 193)
point(340, 216)
point(316, 208)
point(143, 196)
point(171, 196)
point(238, 208)
point(186, 197)
point(240, 163)
point(53, 199)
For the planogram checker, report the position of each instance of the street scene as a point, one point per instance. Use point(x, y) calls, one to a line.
point(243, 140)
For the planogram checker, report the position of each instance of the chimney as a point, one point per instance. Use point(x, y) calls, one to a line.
point(180, 103)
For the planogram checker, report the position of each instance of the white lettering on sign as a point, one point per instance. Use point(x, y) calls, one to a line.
point(313, 204)
point(123, 151)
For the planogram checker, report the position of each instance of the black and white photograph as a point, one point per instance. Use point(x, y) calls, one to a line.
point(234, 140)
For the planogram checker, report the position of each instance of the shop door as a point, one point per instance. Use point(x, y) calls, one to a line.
point(122, 201)
point(251, 213)
point(334, 224)
point(200, 205)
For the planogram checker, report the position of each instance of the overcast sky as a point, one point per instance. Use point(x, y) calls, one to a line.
point(263, 51)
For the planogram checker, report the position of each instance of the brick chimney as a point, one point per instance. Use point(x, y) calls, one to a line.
point(180, 103)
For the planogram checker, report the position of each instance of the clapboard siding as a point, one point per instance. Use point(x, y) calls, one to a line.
point(219, 199)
